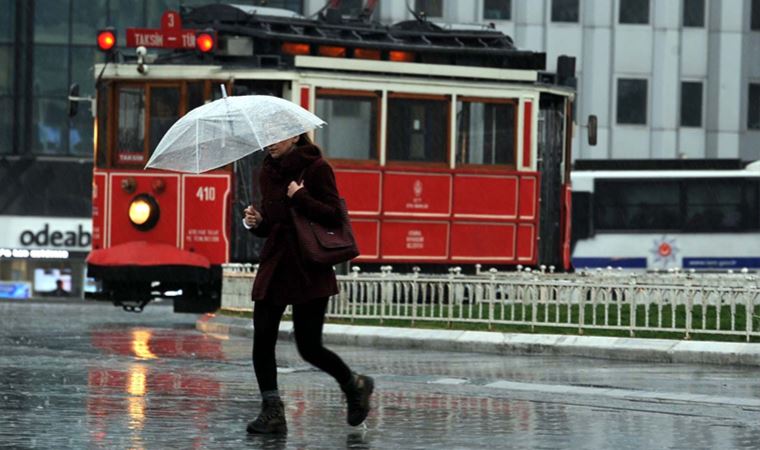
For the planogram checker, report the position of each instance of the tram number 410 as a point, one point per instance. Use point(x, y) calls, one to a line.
point(206, 193)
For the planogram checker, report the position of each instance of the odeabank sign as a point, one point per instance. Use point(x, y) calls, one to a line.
point(47, 238)
point(71, 234)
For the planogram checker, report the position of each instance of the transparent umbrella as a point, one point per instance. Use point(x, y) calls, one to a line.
point(227, 129)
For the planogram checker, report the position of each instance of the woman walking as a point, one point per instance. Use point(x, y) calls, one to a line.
point(294, 175)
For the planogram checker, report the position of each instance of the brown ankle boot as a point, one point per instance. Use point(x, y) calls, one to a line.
point(271, 419)
point(358, 391)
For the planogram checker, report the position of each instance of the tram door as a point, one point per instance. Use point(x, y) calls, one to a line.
point(245, 247)
point(551, 144)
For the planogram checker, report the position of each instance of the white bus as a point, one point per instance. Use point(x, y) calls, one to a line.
point(655, 215)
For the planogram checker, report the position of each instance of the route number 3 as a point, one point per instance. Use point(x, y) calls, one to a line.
point(206, 193)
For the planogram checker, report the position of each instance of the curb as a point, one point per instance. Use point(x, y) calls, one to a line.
point(600, 347)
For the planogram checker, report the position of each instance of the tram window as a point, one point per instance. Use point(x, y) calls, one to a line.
point(636, 205)
point(485, 133)
point(164, 111)
point(721, 205)
point(130, 136)
point(194, 94)
point(352, 130)
point(101, 151)
point(417, 129)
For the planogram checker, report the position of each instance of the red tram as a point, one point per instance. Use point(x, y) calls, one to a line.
point(450, 145)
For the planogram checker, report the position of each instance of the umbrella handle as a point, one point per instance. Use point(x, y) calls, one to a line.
point(224, 91)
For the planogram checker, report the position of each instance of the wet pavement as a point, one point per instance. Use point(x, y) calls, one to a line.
point(88, 375)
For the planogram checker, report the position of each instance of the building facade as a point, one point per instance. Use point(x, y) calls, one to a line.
point(666, 78)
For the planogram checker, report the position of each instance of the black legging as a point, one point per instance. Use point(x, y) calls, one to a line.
point(308, 320)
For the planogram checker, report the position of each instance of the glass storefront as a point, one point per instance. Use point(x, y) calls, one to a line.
point(43, 256)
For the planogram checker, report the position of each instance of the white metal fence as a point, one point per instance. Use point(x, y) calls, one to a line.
point(678, 302)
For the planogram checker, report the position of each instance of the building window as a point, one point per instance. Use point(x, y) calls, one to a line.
point(354, 120)
point(691, 104)
point(565, 10)
point(634, 11)
point(753, 108)
point(417, 129)
point(7, 20)
point(293, 5)
point(486, 133)
point(632, 101)
point(431, 8)
point(351, 7)
point(694, 13)
point(497, 9)
point(755, 16)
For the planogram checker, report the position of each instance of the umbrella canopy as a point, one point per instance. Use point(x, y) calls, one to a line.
point(228, 129)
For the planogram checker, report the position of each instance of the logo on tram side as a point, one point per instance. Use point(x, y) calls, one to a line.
point(417, 202)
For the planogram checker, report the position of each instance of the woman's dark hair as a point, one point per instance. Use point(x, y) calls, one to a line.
point(305, 140)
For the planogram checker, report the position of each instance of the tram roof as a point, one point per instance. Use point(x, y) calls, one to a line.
point(430, 43)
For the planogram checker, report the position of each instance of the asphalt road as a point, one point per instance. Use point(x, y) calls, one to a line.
point(88, 375)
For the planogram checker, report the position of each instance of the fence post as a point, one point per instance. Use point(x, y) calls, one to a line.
point(632, 302)
point(689, 305)
point(492, 296)
point(356, 291)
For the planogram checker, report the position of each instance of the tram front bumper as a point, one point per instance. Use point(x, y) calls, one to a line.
point(143, 261)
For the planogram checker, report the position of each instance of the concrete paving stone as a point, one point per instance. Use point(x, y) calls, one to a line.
point(620, 348)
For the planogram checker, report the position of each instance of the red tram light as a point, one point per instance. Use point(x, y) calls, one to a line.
point(106, 39)
point(296, 48)
point(205, 41)
point(366, 53)
point(333, 51)
point(400, 56)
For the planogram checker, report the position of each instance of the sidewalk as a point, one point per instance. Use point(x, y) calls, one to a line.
point(630, 349)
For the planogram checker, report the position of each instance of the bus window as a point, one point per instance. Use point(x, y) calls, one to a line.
point(485, 132)
point(721, 205)
point(164, 111)
point(417, 128)
point(130, 136)
point(637, 205)
point(352, 124)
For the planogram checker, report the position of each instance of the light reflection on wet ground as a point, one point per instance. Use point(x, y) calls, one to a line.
point(92, 376)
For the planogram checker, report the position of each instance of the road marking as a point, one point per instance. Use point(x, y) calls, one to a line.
point(627, 394)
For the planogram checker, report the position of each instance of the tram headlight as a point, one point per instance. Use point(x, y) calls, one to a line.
point(144, 212)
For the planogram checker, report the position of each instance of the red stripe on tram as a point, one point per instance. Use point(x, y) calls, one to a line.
point(527, 128)
point(305, 97)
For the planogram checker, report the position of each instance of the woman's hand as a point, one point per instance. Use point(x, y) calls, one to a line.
point(293, 187)
point(252, 217)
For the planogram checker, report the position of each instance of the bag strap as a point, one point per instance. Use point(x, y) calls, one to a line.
point(303, 172)
point(307, 168)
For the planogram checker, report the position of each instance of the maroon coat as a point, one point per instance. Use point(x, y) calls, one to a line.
point(283, 276)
